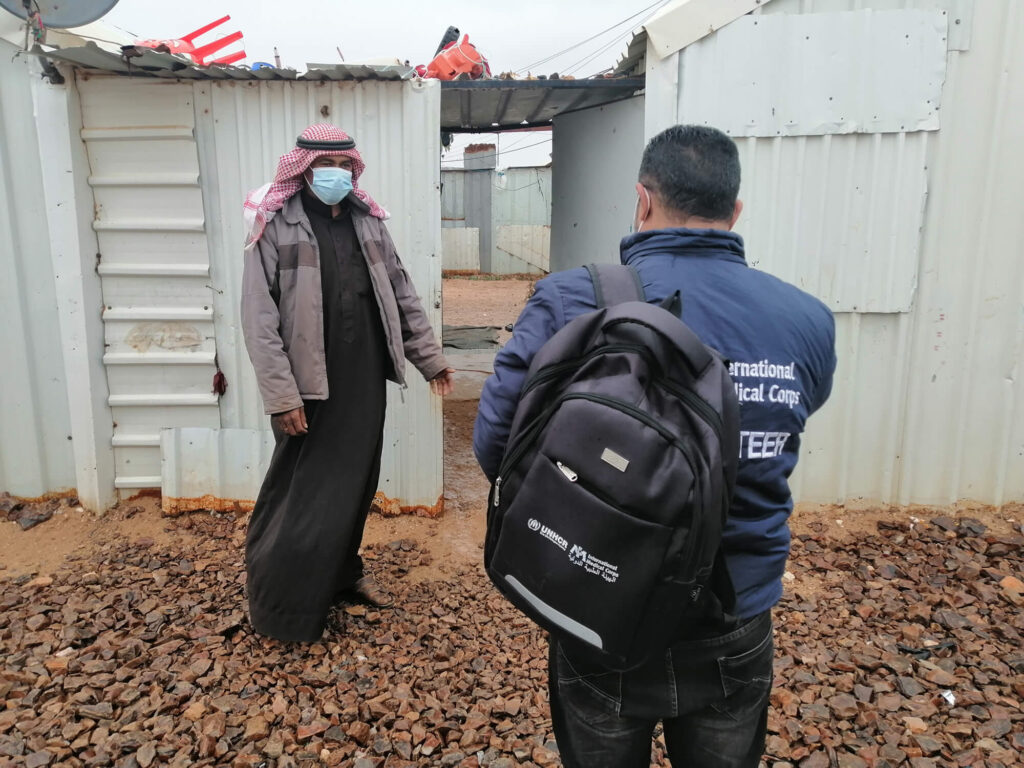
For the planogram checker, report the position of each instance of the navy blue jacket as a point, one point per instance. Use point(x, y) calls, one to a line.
point(781, 344)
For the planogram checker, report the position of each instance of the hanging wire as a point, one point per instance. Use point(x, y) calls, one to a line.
point(536, 184)
point(507, 152)
point(584, 61)
point(511, 147)
point(526, 135)
point(591, 38)
point(587, 59)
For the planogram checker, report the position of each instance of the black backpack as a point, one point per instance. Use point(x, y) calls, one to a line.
point(605, 522)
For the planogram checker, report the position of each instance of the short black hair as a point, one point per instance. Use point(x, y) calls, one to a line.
point(694, 170)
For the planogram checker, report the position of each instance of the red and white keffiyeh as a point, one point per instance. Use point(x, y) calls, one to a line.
point(261, 204)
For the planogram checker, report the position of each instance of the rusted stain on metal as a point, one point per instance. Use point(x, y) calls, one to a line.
point(388, 507)
point(172, 507)
point(476, 273)
point(67, 493)
point(382, 505)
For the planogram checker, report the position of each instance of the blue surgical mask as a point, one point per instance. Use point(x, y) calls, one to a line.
point(331, 185)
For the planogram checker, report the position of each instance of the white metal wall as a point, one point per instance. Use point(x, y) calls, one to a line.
point(453, 198)
point(242, 129)
point(154, 265)
point(522, 249)
point(522, 196)
point(36, 454)
point(927, 403)
point(520, 220)
point(461, 248)
point(596, 156)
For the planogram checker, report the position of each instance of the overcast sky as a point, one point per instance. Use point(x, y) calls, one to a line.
point(511, 35)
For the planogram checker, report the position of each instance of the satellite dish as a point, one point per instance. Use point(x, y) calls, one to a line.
point(60, 14)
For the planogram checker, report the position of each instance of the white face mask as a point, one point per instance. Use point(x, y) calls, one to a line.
point(331, 185)
point(638, 227)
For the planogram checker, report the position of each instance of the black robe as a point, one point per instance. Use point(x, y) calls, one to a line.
point(303, 540)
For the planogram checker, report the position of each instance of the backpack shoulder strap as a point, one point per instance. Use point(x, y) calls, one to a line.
point(615, 284)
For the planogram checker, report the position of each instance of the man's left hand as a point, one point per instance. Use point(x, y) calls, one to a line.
point(443, 383)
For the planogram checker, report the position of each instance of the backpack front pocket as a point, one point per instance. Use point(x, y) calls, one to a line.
point(575, 563)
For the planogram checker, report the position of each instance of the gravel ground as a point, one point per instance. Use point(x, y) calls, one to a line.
point(897, 648)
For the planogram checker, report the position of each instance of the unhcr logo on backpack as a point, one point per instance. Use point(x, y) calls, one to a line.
point(535, 525)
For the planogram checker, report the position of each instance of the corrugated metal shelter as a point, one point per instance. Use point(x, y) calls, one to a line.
point(151, 231)
point(881, 174)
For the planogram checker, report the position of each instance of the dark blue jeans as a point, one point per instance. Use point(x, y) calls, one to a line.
point(710, 694)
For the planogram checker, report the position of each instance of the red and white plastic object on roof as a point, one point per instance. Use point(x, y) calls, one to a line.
point(199, 54)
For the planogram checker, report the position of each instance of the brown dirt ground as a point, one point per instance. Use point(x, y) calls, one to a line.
point(477, 301)
point(456, 538)
point(73, 532)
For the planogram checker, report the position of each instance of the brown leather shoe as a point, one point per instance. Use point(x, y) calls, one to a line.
point(368, 591)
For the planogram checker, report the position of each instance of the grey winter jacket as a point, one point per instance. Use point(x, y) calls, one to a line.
point(282, 308)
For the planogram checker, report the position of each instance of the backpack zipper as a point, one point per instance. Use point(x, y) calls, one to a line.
point(570, 475)
point(513, 458)
point(573, 477)
point(639, 415)
point(553, 370)
point(541, 376)
point(699, 404)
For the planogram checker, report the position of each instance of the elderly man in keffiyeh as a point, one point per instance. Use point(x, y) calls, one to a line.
point(329, 314)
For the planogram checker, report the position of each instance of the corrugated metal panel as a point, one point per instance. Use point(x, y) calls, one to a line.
point(242, 129)
point(35, 453)
point(154, 265)
point(453, 198)
point(969, 325)
point(522, 249)
point(863, 71)
point(632, 62)
point(344, 72)
point(144, 62)
point(927, 403)
point(522, 196)
point(519, 196)
point(460, 247)
point(219, 469)
point(483, 105)
point(856, 243)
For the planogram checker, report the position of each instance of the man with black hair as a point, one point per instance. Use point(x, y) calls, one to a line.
point(710, 689)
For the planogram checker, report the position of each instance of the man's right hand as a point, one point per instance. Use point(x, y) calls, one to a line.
point(292, 422)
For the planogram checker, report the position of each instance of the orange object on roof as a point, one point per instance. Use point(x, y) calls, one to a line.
point(456, 59)
point(186, 45)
